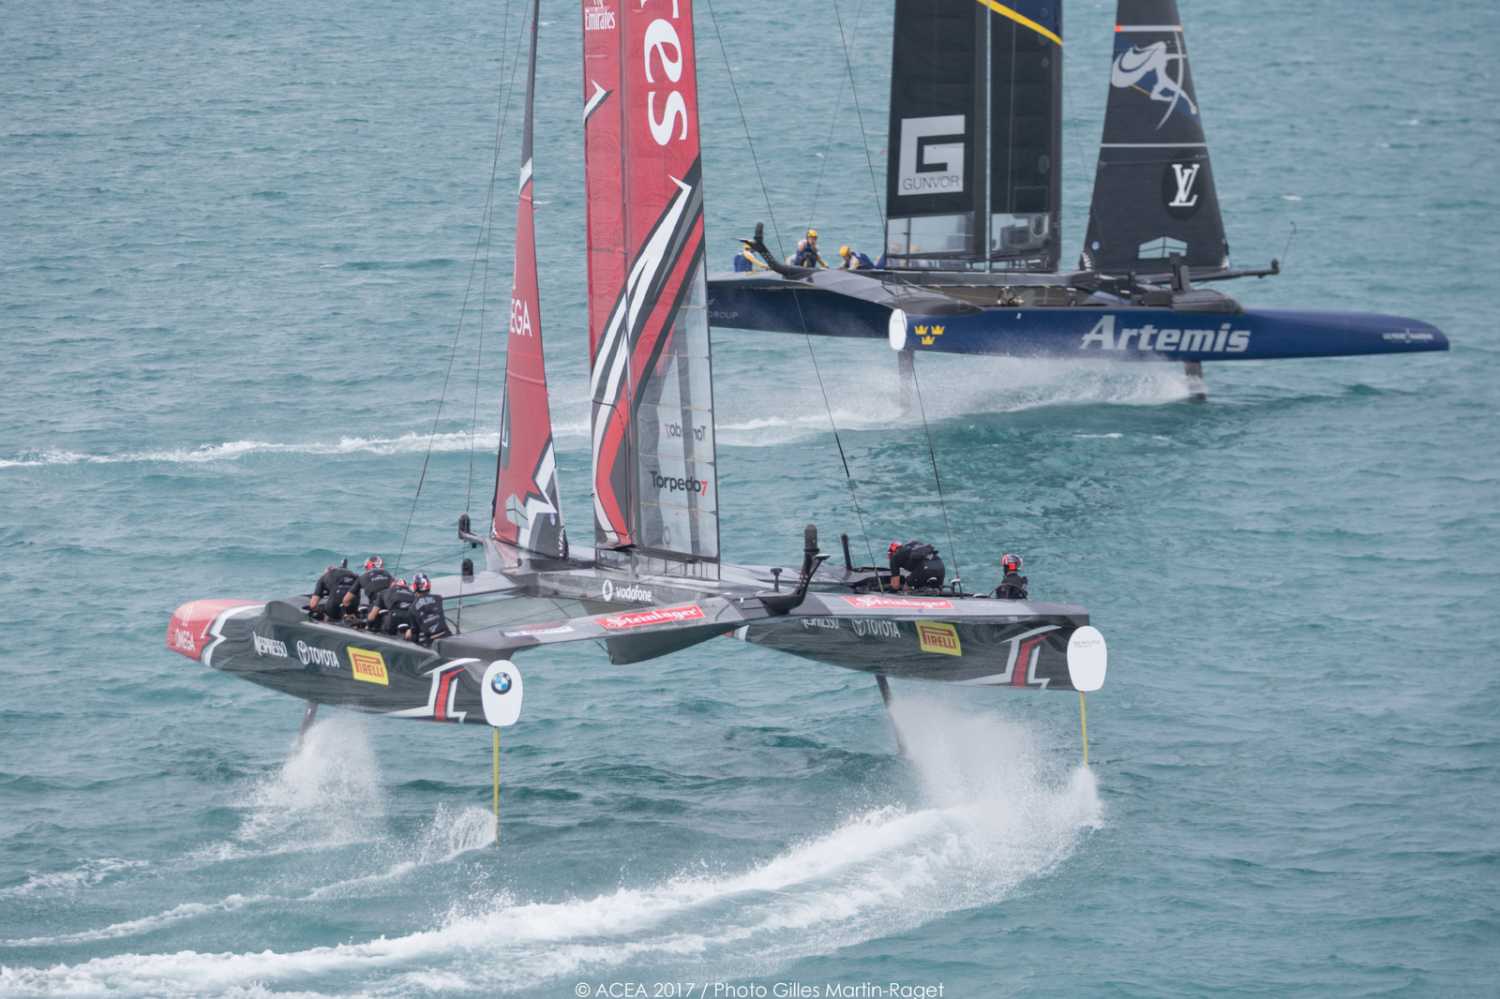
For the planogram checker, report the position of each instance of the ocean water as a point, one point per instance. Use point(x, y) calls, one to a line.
point(237, 247)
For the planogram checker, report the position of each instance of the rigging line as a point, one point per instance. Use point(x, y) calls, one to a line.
point(859, 513)
point(745, 124)
point(838, 105)
point(864, 138)
point(932, 456)
point(462, 311)
point(776, 231)
point(487, 232)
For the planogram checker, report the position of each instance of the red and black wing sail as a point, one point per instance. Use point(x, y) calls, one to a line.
point(655, 484)
point(527, 514)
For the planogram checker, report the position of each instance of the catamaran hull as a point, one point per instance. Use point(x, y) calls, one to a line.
point(274, 645)
point(1028, 654)
point(1121, 334)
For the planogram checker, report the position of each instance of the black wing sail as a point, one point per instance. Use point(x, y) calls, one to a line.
point(973, 175)
point(1154, 192)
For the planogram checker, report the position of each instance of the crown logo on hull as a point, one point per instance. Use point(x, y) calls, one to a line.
point(927, 334)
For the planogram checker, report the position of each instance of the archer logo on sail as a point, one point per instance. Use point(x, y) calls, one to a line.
point(1135, 64)
point(598, 16)
point(932, 162)
point(927, 334)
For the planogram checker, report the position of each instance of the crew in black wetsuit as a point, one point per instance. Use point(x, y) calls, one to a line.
point(1013, 586)
point(327, 600)
point(427, 612)
point(915, 565)
point(391, 612)
point(371, 583)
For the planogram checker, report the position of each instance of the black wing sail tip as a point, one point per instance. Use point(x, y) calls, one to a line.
point(974, 168)
point(1154, 195)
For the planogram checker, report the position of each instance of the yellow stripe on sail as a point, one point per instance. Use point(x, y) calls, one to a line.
point(1019, 18)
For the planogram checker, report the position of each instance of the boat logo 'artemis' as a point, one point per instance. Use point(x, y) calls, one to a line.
point(1135, 64)
point(1148, 337)
point(930, 167)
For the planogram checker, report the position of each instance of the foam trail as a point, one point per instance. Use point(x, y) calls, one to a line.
point(85, 875)
point(450, 834)
point(980, 831)
point(146, 924)
point(326, 794)
point(861, 395)
point(863, 392)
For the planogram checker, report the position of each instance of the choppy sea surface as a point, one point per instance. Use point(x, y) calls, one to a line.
point(236, 241)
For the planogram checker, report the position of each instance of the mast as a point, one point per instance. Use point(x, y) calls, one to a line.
point(655, 477)
point(974, 168)
point(1154, 195)
point(527, 514)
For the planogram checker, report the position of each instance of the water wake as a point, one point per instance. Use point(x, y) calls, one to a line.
point(863, 398)
point(317, 800)
point(994, 814)
point(85, 875)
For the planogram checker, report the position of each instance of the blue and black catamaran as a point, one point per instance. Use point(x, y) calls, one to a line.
point(973, 195)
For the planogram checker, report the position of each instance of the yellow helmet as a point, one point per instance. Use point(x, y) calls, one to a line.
point(844, 250)
point(812, 234)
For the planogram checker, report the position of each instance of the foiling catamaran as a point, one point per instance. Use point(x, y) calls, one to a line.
point(656, 583)
point(973, 221)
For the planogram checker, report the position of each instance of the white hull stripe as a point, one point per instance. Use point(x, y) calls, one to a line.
point(1001, 679)
point(217, 629)
point(429, 710)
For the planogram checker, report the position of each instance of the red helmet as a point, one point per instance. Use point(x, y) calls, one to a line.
point(421, 583)
point(374, 562)
point(892, 549)
point(1010, 563)
point(402, 583)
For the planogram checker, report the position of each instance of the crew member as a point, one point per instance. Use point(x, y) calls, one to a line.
point(427, 612)
point(371, 582)
point(853, 260)
point(391, 612)
point(327, 600)
point(1013, 586)
point(807, 252)
point(915, 565)
point(747, 259)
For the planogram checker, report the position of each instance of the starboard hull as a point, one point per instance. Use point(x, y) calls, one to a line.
point(1125, 333)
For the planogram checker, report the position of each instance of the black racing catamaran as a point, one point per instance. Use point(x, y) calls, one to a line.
point(973, 221)
point(656, 583)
